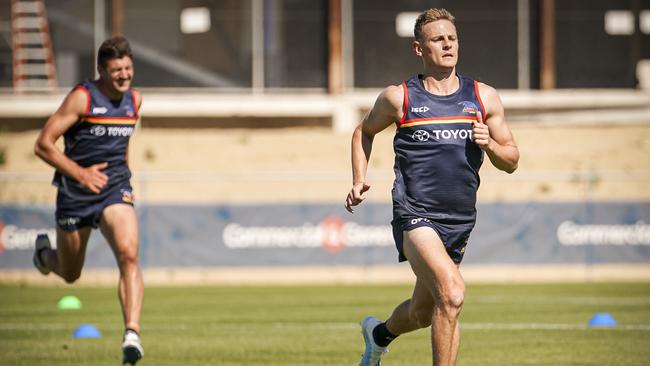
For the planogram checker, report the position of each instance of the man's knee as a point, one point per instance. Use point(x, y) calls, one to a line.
point(70, 276)
point(452, 297)
point(128, 257)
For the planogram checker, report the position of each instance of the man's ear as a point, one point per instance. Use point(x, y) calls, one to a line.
point(417, 48)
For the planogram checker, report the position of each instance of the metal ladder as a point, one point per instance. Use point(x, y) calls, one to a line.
point(33, 57)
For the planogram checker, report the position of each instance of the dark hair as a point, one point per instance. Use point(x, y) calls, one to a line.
point(429, 16)
point(115, 47)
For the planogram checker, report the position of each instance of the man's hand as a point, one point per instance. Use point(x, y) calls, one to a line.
point(355, 196)
point(481, 132)
point(92, 177)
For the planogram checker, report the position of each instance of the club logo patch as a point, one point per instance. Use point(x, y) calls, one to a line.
point(127, 196)
point(468, 107)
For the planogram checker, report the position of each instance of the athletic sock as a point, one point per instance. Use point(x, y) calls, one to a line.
point(382, 336)
point(131, 330)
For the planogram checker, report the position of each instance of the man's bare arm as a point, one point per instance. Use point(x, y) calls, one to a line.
point(386, 111)
point(68, 113)
point(492, 133)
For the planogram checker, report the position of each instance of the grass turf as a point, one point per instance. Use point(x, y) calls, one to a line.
point(501, 325)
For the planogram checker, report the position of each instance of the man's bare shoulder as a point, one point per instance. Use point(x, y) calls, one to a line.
point(386, 111)
point(487, 91)
point(78, 94)
point(391, 98)
point(75, 102)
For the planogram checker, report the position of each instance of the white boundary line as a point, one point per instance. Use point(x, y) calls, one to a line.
point(328, 325)
point(579, 300)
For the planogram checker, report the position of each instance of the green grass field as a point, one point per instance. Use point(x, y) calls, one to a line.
point(501, 325)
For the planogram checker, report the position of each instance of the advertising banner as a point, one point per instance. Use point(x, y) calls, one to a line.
point(323, 234)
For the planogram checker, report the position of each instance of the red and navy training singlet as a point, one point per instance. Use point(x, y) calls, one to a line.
point(436, 159)
point(100, 135)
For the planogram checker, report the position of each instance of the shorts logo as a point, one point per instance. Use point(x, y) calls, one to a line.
point(68, 221)
point(98, 130)
point(419, 219)
point(420, 135)
point(127, 196)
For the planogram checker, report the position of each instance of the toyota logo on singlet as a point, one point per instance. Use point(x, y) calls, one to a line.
point(98, 130)
point(420, 135)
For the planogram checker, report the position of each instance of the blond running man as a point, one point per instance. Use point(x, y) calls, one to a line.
point(446, 123)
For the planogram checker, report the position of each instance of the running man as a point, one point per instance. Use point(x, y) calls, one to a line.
point(96, 119)
point(445, 123)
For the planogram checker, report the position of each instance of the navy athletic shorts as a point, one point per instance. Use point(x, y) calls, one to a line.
point(454, 236)
point(75, 213)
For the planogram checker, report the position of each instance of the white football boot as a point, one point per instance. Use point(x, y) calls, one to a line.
point(372, 354)
point(131, 348)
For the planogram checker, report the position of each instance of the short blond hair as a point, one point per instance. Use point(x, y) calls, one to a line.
point(429, 16)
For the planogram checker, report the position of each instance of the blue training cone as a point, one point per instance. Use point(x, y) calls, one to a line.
point(86, 331)
point(602, 320)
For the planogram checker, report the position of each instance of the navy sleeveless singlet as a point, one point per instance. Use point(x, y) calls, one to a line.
point(436, 160)
point(100, 135)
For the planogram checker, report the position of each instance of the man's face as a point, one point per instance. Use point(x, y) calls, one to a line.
point(439, 44)
point(118, 73)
